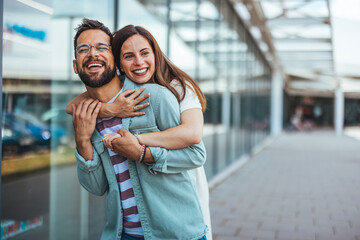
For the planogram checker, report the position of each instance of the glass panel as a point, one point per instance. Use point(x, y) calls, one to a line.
point(40, 194)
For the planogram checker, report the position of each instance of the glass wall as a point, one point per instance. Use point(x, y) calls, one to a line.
point(40, 194)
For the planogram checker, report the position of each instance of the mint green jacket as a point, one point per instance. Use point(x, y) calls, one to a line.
point(165, 191)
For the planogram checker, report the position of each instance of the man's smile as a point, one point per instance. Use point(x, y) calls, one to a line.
point(94, 66)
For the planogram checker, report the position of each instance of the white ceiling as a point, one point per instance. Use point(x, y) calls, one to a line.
point(315, 41)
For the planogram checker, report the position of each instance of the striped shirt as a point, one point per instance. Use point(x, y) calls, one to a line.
point(131, 218)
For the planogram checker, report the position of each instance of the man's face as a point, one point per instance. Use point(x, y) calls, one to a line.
point(95, 68)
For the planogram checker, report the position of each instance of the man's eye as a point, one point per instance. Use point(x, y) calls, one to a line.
point(102, 48)
point(83, 50)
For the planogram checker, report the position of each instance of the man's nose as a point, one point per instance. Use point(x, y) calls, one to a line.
point(93, 51)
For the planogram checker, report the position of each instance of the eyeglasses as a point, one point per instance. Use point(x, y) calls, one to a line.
point(85, 48)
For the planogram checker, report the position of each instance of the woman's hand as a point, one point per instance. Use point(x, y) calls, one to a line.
point(108, 138)
point(126, 105)
point(127, 145)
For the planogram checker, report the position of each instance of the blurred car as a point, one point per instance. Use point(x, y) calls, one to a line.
point(42, 133)
point(39, 131)
point(16, 138)
point(57, 118)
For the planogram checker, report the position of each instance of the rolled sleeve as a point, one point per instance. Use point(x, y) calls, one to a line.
point(91, 174)
point(167, 115)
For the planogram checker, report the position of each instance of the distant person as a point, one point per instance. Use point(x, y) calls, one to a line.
point(158, 195)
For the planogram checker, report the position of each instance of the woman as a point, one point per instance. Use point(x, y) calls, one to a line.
point(143, 64)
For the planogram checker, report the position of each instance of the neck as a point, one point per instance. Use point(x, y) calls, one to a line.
point(106, 92)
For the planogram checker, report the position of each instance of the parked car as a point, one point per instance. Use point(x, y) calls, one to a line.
point(16, 138)
point(42, 133)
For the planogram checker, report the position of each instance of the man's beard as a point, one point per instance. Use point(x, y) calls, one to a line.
point(94, 81)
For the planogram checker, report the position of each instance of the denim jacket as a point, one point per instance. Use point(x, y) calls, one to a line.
point(165, 191)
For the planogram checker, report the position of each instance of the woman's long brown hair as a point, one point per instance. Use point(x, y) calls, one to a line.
point(165, 70)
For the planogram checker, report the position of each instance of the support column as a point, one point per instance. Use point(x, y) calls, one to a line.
point(339, 111)
point(277, 86)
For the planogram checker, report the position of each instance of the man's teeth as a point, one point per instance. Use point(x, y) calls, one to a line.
point(140, 71)
point(94, 65)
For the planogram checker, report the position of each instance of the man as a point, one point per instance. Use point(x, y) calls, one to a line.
point(150, 192)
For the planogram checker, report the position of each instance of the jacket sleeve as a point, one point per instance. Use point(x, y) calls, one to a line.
point(167, 115)
point(91, 173)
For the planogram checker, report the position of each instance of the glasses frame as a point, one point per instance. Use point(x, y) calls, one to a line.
point(95, 46)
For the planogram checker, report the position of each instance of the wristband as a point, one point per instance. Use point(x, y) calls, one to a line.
point(142, 155)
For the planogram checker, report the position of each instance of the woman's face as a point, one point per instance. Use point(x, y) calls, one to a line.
point(137, 59)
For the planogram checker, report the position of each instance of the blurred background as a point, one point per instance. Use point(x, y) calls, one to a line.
point(265, 67)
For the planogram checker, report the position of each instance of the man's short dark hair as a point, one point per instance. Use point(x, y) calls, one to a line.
point(88, 24)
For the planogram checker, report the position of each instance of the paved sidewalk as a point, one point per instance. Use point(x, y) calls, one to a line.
point(304, 186)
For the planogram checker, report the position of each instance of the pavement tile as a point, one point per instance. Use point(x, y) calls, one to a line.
point(283, 235)
point(300, 187)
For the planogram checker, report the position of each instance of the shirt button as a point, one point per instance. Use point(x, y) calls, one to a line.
point(119, 234)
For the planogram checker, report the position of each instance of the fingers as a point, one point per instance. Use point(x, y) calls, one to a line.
point(126, 92)
point(73, 108)
point(122, 132)
point(142, 98)
point(136, 114)
point(108, 138)
point(142, 106)
point(137, 93)
point(91, 107)
point(96, 110)
point(87, 107)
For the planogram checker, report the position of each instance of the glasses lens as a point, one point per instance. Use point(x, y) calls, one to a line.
point(83, 49)
point(102, 47)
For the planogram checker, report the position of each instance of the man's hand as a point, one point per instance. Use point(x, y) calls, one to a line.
point(127, 145)
point(84, 121)
point(126, 105)
point(108, 138)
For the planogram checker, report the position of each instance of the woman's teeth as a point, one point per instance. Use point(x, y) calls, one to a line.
point(140, 71)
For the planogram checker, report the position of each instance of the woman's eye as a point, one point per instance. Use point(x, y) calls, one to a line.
point(128, 56)
point(145, 53)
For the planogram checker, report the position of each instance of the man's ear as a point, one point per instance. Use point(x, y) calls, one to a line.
point(75, 67)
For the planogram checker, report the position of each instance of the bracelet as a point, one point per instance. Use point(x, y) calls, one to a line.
point(142, 155)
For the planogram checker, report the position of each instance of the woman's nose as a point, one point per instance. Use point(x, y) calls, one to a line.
point(139, 60)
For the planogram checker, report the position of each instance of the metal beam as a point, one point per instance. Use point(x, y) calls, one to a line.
point(303, 40)
point(281, 22)
point(258, 19)
point(192, 23)
point(296, 52)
